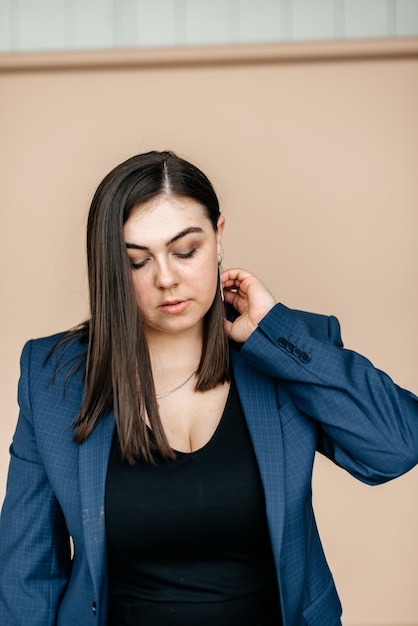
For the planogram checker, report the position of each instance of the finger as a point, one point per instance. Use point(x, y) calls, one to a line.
point(236, 300)
point(235, 274)
point(228, 328)
point(231, 297)
point(234, 284)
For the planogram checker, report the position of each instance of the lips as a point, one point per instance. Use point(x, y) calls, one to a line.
point(171, 307)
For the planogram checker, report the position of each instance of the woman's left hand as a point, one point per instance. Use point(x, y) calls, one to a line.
point(250, 297)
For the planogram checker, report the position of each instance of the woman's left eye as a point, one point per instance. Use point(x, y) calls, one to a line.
point(186, 255)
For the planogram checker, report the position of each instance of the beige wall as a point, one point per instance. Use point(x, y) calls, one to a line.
point(315, 161)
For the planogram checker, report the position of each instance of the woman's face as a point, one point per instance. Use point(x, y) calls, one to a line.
point(173, 250)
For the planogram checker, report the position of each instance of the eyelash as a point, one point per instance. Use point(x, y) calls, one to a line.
point(137, 266)
point(185, 255)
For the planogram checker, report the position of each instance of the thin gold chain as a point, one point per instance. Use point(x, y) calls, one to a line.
point(167, 393)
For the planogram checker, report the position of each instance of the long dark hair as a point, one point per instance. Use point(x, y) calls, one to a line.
point(118, 372)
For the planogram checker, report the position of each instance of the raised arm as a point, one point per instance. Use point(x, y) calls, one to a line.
point(367, 424)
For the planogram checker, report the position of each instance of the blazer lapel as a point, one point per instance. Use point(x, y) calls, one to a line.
point(93, 461)
point(259, 401)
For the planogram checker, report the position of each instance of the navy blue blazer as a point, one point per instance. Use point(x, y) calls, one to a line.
point(300, 391)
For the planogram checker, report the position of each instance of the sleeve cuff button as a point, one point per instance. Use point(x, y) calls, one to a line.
point(305, 357)
point(282, 341)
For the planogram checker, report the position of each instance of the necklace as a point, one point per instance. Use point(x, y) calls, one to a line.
point(167, 393)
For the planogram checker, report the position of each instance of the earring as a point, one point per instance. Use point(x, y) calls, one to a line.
point(221, 289)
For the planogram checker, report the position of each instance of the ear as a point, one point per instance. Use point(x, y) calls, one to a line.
point(220, 229)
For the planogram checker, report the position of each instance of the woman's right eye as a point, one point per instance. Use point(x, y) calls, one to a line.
point(136, 265)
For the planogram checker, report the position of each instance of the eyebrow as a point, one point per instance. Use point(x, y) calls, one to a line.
point(180, 235)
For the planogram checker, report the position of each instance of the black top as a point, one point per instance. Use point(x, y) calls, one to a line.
point(187, 539)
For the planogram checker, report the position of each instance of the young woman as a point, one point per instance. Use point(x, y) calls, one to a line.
point(172, 436)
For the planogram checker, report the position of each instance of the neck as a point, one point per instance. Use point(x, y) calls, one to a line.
point(174, 354)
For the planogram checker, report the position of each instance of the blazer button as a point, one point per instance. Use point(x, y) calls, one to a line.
point(283, 342)
point(305, 357)
point(290, 347)
point(297, 351)
point(94, 608)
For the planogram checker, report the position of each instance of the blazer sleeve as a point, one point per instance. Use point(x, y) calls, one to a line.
point(34, 543)
point(366, 423)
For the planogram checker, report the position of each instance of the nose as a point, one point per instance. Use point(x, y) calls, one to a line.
point(165, 274)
